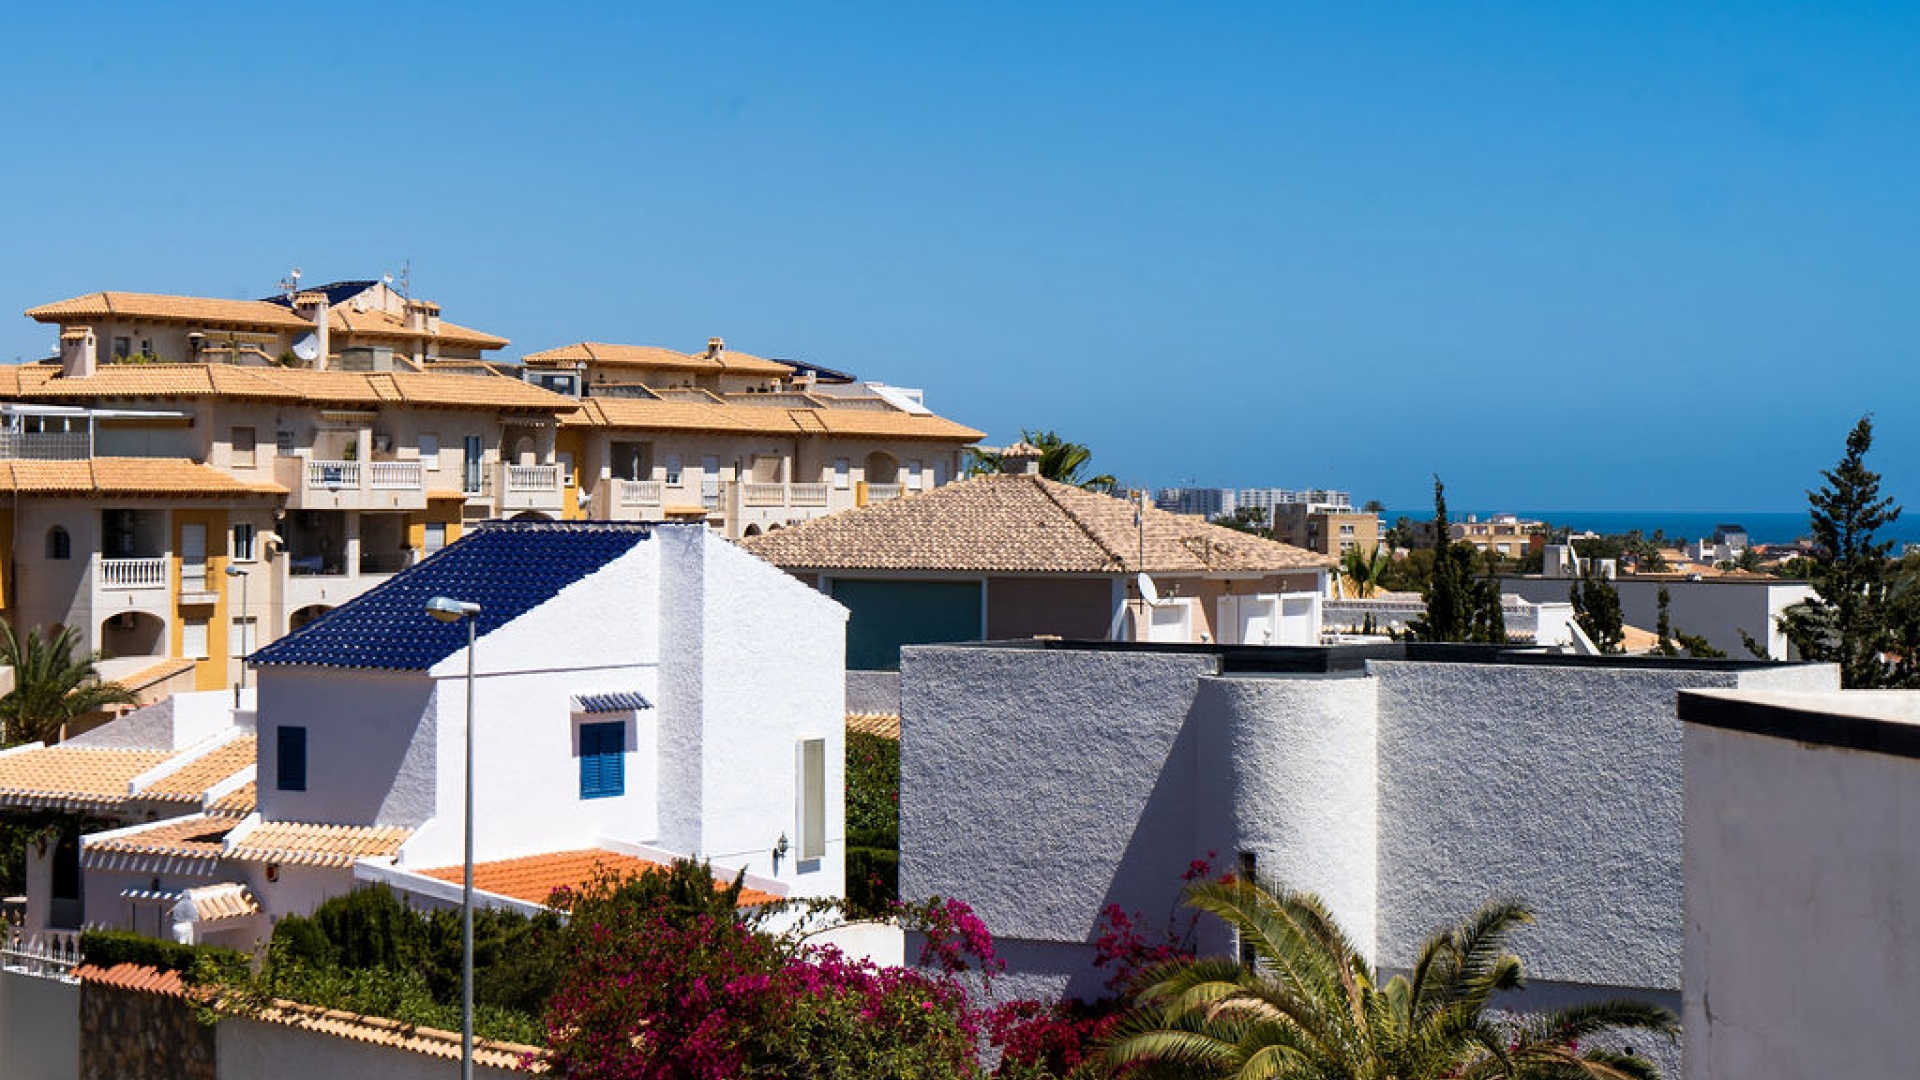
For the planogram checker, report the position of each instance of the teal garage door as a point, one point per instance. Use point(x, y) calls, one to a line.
point(889, 614)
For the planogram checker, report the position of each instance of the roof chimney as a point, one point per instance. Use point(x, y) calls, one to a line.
point(79, 351)
point(1021, 459)
point(715, 348)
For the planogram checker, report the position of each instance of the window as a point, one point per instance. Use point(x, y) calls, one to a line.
point(242, 454)
point(193, 639)
point(673, 469)
point(434, 538)
point(122, 347)
point(842, 474)
point(283, 441)
point(243, 536)
point(193, 557)
point(290, 763)
point(240, 636)
point(812, 810)
point(939, 473)
point(603, 771)
point(913, 476)
point(430, 452)
point(473, 450)
point(59, 544)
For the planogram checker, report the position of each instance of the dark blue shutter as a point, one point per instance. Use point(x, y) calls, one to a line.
point(292, 759)
point(602, 760)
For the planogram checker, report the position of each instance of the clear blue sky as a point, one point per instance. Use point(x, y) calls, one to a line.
point(1578, 255)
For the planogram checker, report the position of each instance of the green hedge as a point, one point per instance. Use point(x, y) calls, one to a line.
point(105, 948)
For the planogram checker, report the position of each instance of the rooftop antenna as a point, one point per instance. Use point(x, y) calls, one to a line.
point(406, 279)
point(291, 283)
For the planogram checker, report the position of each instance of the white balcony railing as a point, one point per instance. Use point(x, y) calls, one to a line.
point(133, 573)
point(883, 492)
point(533, 478)
point(809, 494)
point(640, 492)
point(333, 475)
point(396, 475)
point(763, 494)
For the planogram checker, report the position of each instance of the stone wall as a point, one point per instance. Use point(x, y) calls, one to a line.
point(135, 1035)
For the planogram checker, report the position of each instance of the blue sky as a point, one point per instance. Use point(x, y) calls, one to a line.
point(1578, 255)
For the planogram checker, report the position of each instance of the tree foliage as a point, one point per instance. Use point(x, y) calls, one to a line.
point(1596, 607)
point(1365, 572)
point(1460, 604)
point(1850, 620)
point(1312, 1005)
point(55, 681)
point(1066, 462)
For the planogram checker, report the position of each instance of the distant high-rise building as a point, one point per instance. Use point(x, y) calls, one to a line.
point(1208, 503)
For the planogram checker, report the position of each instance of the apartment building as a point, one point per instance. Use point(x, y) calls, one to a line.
point(1317, 527)
point(744, 443)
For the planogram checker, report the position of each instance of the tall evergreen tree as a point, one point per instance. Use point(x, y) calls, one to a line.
point(1461, 606)
point(1596, 607)
point(1847, 621)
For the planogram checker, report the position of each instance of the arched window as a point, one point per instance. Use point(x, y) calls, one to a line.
point(59, 544)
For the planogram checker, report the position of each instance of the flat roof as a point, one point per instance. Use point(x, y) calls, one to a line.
point(1877, 721)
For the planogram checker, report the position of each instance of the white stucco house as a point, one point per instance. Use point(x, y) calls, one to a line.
point(1802, 882)
point(1406, 784)
point(641, 692)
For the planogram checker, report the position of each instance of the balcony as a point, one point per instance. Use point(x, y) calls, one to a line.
point(320, 484)
point(805, 495)
point(46, 445)
point(133, 573)
point(530, 487)
point(884, 492)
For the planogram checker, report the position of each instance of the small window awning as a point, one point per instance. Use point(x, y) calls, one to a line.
point(151, 896)
point(610, 702)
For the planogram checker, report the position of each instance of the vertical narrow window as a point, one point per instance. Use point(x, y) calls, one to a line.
point(434, 538)
point(603, 771)
point(430, 452)
point(242, 453)
point(59, 544)
point(193, 556)
point(283, 442)
point(243, 536)
point(812, 826)
point(240, 636)
point(673, 470)
point(913, 476)
point(193, 639)
point(290, 762)
point(842, 474)
point(472, 463)
point(939, 473)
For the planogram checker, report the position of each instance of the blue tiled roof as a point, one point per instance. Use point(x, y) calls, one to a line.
point(336, 292)
point(617, 701)
point(508, 568)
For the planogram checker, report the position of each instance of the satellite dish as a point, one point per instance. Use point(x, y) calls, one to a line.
point(306, 346)
point(1147, 592)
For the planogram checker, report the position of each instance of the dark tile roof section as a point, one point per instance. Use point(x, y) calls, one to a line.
point(618, 701)
point(508, 568)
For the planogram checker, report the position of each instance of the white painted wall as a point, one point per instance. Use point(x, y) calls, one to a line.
point(1714, 608)
point(1803, 899)
point(259, 1050)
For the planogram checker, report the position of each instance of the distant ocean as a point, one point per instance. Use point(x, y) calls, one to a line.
point(1769, 528)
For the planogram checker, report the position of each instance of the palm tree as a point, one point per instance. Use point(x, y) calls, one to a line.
point(1313, 1006)
point(1059, 460)
point(1364, 572)
point(54, 681)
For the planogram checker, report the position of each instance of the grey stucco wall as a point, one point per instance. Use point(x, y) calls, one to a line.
point(39, 1027)
point(1040, 786)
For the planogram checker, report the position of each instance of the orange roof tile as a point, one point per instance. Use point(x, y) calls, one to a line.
point(138, 978)
point(728, 418)
point(197, 836)
point(884, 724)
point(1021, 524)
point(76, 777)
point(656, 358)
point(228, 900)
point(129, 305)
point(191, 781)
point(158, 673)
point(385, 324)
point(239, 802)
point(534, 878)
point(380, 1031)
point(176, 477)
point(438, 390)
point(298, 844)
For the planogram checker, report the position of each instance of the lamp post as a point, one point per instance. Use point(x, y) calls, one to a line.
point(447, 610)
point(246, 645)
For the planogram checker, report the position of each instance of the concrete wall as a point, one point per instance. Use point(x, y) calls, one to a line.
point(1803, 895)
point(257, 1050)
point(39, 1027)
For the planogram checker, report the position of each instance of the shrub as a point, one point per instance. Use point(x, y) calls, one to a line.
point(105, 948)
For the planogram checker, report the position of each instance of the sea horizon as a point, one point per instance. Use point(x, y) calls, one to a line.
point(1763, 527)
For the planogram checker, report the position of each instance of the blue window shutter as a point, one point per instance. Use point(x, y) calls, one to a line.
point(291, 760)
point(602, 760)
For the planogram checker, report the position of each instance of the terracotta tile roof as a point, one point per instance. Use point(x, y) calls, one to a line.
point(191, 781)
point(380, 1031)
point(212, 903)
point(236, 803)
point(1021, 524)
point(533, 879)
point(72, 777)
point(138, 978)
point(295, 385)
point(337, 846)
point(385, 324)
point(176, 477)
point(158, 673)
point(197, 836)
point(884, 724)
point(128, 305)
point(622, 413)
point(656, 358)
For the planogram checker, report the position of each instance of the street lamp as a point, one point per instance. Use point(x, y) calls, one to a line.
point(246, 644)
point(448, 610)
